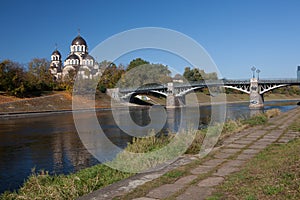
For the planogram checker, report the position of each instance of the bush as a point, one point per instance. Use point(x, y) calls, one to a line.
point(256, 120)
point(272, 113)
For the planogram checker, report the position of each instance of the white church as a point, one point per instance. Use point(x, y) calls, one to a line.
point(78, 63)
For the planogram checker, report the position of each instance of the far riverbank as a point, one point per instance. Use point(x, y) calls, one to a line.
point(62, 102)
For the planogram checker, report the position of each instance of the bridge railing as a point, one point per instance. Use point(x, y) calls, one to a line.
point(279, 81)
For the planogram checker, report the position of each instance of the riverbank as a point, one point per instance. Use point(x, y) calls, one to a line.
point(40, 184)
point(55, 102)
point(256, 163)
point(62, 102)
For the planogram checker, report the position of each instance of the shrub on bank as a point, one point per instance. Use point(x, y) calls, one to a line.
point(44, 186)
point(256, 120)
point(272, 113)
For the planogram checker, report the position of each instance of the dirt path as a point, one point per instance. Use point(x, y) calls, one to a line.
point(202, 179)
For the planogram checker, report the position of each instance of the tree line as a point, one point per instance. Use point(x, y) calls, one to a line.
point(34, 78)
point(27, 80)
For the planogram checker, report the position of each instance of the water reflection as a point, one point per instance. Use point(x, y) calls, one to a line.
point(51, 142)
point(48, 142)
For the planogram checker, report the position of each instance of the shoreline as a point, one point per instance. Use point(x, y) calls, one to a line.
point(8, 115)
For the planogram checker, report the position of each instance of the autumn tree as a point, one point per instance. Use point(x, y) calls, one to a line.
point(110, 76)
point(12, 78)
point(38, 76)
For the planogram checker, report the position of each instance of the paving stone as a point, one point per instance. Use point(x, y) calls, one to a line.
point(185, 180)
point(271, 136)
point(290, 136)
point(214, 162)
point(211, 182)
point(251, 151)
point(294, 132)
point(232, 151)
point(244, 156)
point(228, 141)
point(234, 163)
point(164, 191)
point(201, 169)
point(242, 141)
point(225, 170)
point(272, 127)
point(237, 146)
point(196, 193)
point(257, 133)
point(283, 140)
point(267, 140)
point(258, 145)
point(223, 155)
point(144, 198)
point(237, 137)
point(250, 139)
point(276, 132)
point(283, 126)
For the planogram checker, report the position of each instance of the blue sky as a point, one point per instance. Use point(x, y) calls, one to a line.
point(238, 34)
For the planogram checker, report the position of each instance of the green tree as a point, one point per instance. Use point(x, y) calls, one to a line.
point(136, 62)
point(188, 74)
point(197, 74)
point(146, 74)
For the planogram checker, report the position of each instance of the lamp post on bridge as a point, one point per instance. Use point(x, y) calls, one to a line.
point(253, 70)
point(256, 99)
point(257, 71)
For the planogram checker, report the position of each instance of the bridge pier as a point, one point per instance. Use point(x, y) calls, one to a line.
point(256, 99)
point(174, 100)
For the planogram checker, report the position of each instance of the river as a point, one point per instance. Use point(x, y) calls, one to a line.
point(50, 141)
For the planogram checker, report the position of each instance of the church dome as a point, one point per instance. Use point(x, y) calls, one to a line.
point(56, 52)
point(87, 56)
point(79, 41)
point(73, 56)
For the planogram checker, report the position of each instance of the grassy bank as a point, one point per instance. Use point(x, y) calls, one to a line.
point(272, 174)
point(55, 101)
point(44, 186)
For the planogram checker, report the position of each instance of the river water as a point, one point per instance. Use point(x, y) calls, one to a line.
point(50, 141)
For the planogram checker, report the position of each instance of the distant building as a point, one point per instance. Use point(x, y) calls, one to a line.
point(178, 78)
point(78, 63)
point(298, 73)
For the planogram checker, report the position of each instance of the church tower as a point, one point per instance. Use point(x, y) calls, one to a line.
point(56, 64)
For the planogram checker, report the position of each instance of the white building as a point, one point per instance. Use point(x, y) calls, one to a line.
point(78, 63)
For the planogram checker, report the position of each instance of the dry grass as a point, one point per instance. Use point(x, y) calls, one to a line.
point(43, 186)
point(272, 113)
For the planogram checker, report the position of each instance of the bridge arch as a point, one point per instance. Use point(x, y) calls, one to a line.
point(267, 88)
point(132, 94)
point(244, 88)
point(185, 92)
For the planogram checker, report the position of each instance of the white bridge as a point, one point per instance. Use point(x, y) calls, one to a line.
point(175, 92)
